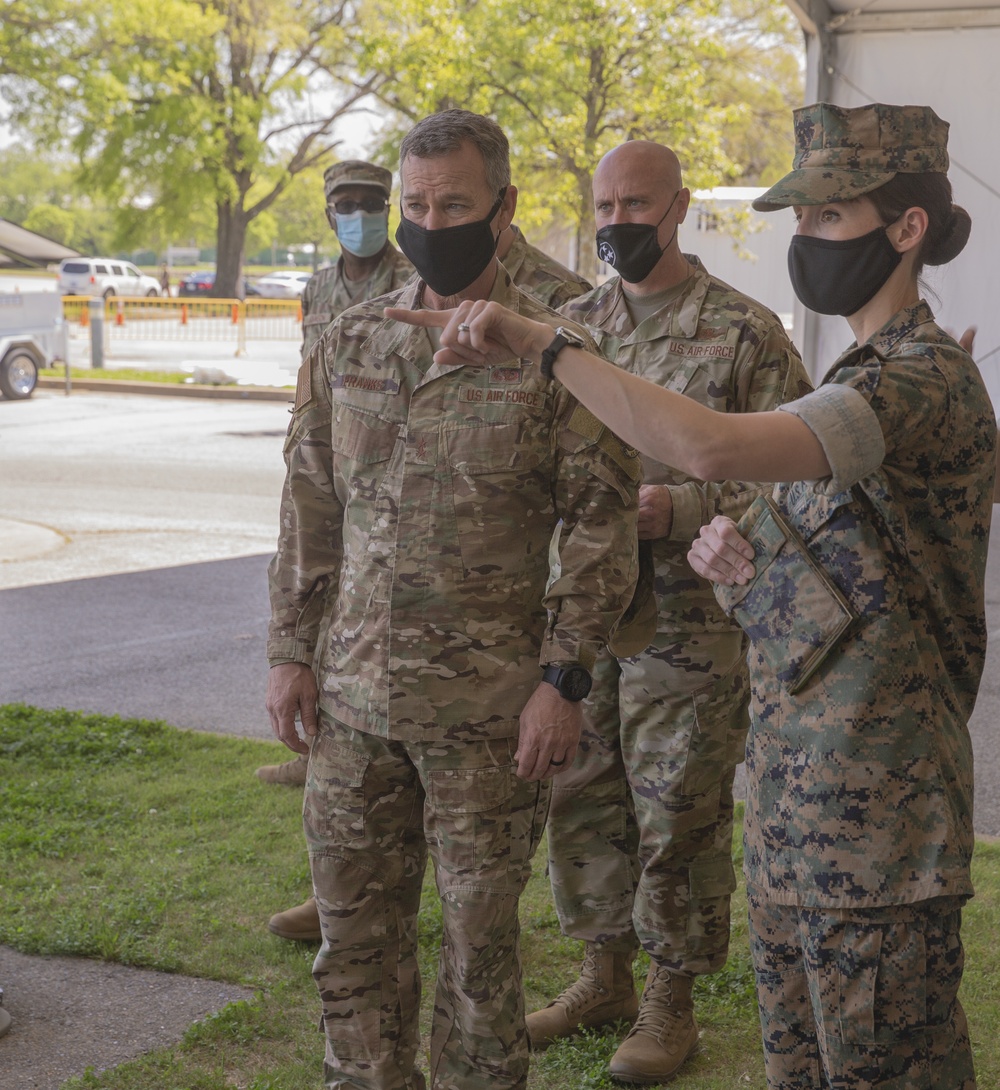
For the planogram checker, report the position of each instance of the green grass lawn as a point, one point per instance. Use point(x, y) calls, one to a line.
point(120, 374)
point(134, 842)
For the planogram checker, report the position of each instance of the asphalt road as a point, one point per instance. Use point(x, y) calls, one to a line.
point(134, 538)
point(133, 547)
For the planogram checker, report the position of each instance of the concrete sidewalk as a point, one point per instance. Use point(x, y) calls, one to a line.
point(269, 363)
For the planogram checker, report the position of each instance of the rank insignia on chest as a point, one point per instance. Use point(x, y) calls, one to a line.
point(375, 384)
point(500, 376)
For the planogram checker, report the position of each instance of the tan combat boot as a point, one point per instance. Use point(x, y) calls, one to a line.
point(604, 992)
point(300, 924)
point(664, 1034)
point(292, 773)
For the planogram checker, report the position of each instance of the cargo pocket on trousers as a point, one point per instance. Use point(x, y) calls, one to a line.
point(333, 809)
point(882, 989)
point(470, 815)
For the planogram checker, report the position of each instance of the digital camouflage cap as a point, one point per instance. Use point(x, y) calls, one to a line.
point(356, 172)
point(844, 153)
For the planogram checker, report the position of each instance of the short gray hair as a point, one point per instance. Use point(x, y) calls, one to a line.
point(447, 131)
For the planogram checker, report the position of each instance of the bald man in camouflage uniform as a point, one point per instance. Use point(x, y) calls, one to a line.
point(641, 824)
point(442, 710)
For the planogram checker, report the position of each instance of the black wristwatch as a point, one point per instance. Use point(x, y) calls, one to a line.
point(562, 338)
point(573, 682)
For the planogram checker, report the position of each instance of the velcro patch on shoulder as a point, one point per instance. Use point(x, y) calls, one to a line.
point(303, 384)
point(583, 422)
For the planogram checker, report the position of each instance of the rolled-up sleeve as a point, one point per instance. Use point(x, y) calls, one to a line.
point(848, 430)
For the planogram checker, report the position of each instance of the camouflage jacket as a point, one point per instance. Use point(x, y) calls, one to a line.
point(416, 515)
point(860, 785)
point(328, 294)
point(541, 276)
point(721, 348)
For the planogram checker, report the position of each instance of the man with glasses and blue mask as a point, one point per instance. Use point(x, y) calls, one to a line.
point(640, 826)
point(357, 208)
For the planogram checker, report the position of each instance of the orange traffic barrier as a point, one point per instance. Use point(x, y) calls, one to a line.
point(184, 314)
point(85, 316)
point(299, 316)
point(119, 317)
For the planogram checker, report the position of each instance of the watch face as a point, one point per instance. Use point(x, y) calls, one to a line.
point(570, 337)
point(575, 683)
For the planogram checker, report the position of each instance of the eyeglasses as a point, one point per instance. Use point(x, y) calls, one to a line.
point(369, 204)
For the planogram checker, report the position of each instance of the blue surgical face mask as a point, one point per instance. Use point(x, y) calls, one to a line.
point(363, 234)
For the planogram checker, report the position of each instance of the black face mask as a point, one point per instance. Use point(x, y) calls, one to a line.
point(631, 249)
point(450, 258)
point(839, 277)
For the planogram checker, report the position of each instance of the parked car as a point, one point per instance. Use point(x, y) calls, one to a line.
point(201, 284)
point(104, 276)
point(283, 284)
point(32, 335)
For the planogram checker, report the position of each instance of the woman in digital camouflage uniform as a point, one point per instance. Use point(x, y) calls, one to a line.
point(864, 601)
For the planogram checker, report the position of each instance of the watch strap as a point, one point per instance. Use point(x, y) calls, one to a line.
point(562, 338)
point(548, 360)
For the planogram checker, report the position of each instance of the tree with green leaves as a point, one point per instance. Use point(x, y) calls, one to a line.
point(569, 84)
point(175, 105)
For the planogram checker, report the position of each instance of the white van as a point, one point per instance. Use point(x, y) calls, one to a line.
point(104, 276)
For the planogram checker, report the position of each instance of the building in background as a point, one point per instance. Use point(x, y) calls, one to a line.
point(933, 53)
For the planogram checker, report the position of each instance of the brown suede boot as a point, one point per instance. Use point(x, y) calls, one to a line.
point(292, 773)
point(604, 992)
point(300, 924)
point(664, 1034)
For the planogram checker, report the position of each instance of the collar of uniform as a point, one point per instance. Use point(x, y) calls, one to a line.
point(880, 345)
point(610, 310)
point(374, 281)
point(411, 342)
point(901, 326)
point(514, 258)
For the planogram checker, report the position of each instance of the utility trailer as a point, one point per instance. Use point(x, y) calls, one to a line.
point(32, 335)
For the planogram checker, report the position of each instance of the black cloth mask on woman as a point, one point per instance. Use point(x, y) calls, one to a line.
point(450, 258)
point(839, 276)
point(631, 249)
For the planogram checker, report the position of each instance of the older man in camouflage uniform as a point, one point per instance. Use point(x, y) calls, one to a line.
point(333, 290)
point(641, 824)
point(416, 517)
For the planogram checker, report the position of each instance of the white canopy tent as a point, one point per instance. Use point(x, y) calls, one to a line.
point(21, 248)
point(942, 55)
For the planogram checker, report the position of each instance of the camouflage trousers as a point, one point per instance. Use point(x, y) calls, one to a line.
point(640, 827)
point(372, 810)
point(854, 999)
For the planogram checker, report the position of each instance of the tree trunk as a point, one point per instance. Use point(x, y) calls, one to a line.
point(230, 239)
point(586, 247)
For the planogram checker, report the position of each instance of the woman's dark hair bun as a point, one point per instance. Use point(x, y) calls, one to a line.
point(953, 238)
